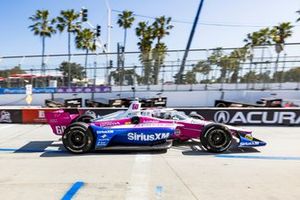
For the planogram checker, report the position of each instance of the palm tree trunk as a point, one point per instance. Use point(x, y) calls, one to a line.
point(123, 57)
point(276, 68)
point(69, 59)
point(125, 38)
point(85, 63)
point(43, 56)
point(249, 72)
point(69, 46)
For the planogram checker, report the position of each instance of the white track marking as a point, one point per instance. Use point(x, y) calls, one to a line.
point(138, 188)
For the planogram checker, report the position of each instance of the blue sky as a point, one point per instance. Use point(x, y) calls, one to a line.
point(15, 37)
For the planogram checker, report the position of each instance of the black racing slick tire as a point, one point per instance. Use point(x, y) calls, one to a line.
point(86, 118)
point(78, 138)
point(135, 120)
point(216, 138)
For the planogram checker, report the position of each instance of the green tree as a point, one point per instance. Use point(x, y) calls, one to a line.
point(125, 21)
point(202, 67)
point(15, 70)
point(215, 59)
point(292, 75)
point(279, 35)
point(161, 28)
point(85, 39)
point(77, 71)
point(236, 57)
point(129, 76)
point(69, 20)
point(257, 38)
point(190, 77)
point(43, 27)
point(145, 36)
point(249, 76)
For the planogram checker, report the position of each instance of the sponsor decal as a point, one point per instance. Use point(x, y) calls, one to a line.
point(10, 116)
point(249, 143)
point(109, 123)
point(41, 114)
point(34, 116)
point(135, 106)
point(60, 129)
point(249, 137)
point(147, 137)
point(105, 131)
point(222, 117)
point(257, 117)
point(5, 116)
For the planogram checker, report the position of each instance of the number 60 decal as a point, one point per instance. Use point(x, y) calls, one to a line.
point(60, 129)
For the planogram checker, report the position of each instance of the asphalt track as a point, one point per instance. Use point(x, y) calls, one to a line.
point(34, 165)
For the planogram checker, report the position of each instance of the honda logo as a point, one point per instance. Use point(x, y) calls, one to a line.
point(222, 117)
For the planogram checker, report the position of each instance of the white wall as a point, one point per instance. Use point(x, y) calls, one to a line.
point(175, 98)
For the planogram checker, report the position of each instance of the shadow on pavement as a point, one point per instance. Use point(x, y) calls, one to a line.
point(194, 148)
point(54, 149)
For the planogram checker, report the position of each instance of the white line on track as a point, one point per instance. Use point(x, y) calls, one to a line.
point(138, 188)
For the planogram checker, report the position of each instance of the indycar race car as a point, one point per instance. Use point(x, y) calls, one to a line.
point(213, 137)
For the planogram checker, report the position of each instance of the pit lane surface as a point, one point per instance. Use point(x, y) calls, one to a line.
point(34, 165)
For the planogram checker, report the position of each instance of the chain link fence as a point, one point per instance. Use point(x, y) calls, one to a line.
point(258, 68)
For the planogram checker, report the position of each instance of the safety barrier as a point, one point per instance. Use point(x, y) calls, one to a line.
point(233, 116)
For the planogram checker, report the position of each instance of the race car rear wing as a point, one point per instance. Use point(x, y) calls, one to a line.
point(59, 120)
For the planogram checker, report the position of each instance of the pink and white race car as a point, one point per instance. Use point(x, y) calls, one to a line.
point(213, 137)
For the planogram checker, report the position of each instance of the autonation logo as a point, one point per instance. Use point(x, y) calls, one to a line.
point(257, 117)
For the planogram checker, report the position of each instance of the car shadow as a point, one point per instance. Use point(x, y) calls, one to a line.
point(53, 148)
point(194, 148)
point(56, 149)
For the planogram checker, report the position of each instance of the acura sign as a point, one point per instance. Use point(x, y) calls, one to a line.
point(222, 117)
point(257, 117)
point(250, 116)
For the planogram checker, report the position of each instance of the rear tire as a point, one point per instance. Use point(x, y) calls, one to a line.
point(216, 138)
point(78, 138)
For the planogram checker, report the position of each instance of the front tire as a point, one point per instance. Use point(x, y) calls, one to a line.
point(78, 138)
point(216, 138)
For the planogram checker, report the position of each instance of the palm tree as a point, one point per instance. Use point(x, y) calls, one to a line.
point(257, 38)
point(145, 35)
point(69, 20)
point(161, 27)
point(215, 59)
point(236, 57)
point(158, 55)
point(125, 21)
point(85, 39)
point(279, 34)
point(43, 27)
point(202, 67)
